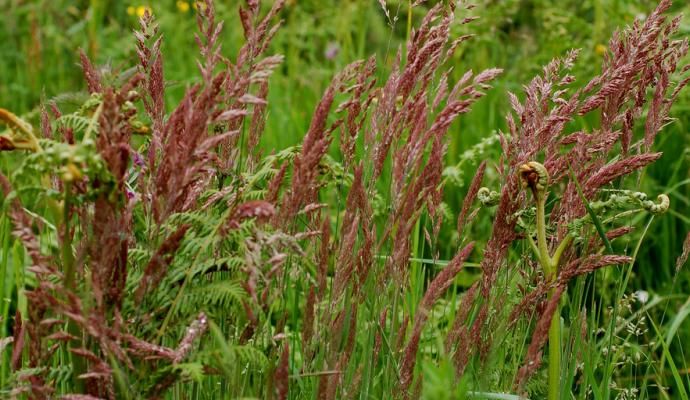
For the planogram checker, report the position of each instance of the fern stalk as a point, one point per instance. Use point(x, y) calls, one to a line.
point(535, 176)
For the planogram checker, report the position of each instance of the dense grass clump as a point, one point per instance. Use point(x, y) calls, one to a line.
point(159, 241)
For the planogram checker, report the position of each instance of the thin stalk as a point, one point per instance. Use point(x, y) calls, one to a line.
point(535, 176)
point(556, 259)
point(555, 353)
point(394, 328)
point(544, 257)
point(550, 270)
point(5, 308)
point(534, 247)
point(66, 248)
point(409, 19)
point(68, 270)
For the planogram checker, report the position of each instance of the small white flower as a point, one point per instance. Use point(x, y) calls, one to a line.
point(642, 296)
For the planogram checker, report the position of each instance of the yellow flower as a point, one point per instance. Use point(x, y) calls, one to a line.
point(131, 10)
point(141, 10)
point(199, 5)
point(600, 49)
point(183, 6)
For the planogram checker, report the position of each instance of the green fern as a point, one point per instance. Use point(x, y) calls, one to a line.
point(76, 122)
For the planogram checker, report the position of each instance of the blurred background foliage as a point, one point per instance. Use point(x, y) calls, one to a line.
point(39, 61)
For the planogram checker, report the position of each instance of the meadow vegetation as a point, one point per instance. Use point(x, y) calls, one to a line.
point(347, 199)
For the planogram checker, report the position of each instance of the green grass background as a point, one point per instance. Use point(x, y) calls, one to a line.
point(39, 61)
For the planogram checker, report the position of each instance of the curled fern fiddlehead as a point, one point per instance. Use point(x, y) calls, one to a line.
point(488, 197)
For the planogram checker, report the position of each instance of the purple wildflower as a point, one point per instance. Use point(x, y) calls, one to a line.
point(332, 50)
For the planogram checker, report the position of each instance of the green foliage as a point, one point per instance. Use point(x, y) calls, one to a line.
point(212, 266)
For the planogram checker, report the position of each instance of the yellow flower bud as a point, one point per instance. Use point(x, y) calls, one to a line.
point(600, 49)
point(141, 10)
point(183, 6)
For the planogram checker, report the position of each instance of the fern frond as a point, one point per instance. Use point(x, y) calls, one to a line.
point(222, 293)
point(75, 122)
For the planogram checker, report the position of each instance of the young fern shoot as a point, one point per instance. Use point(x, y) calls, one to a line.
point(535, 177)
